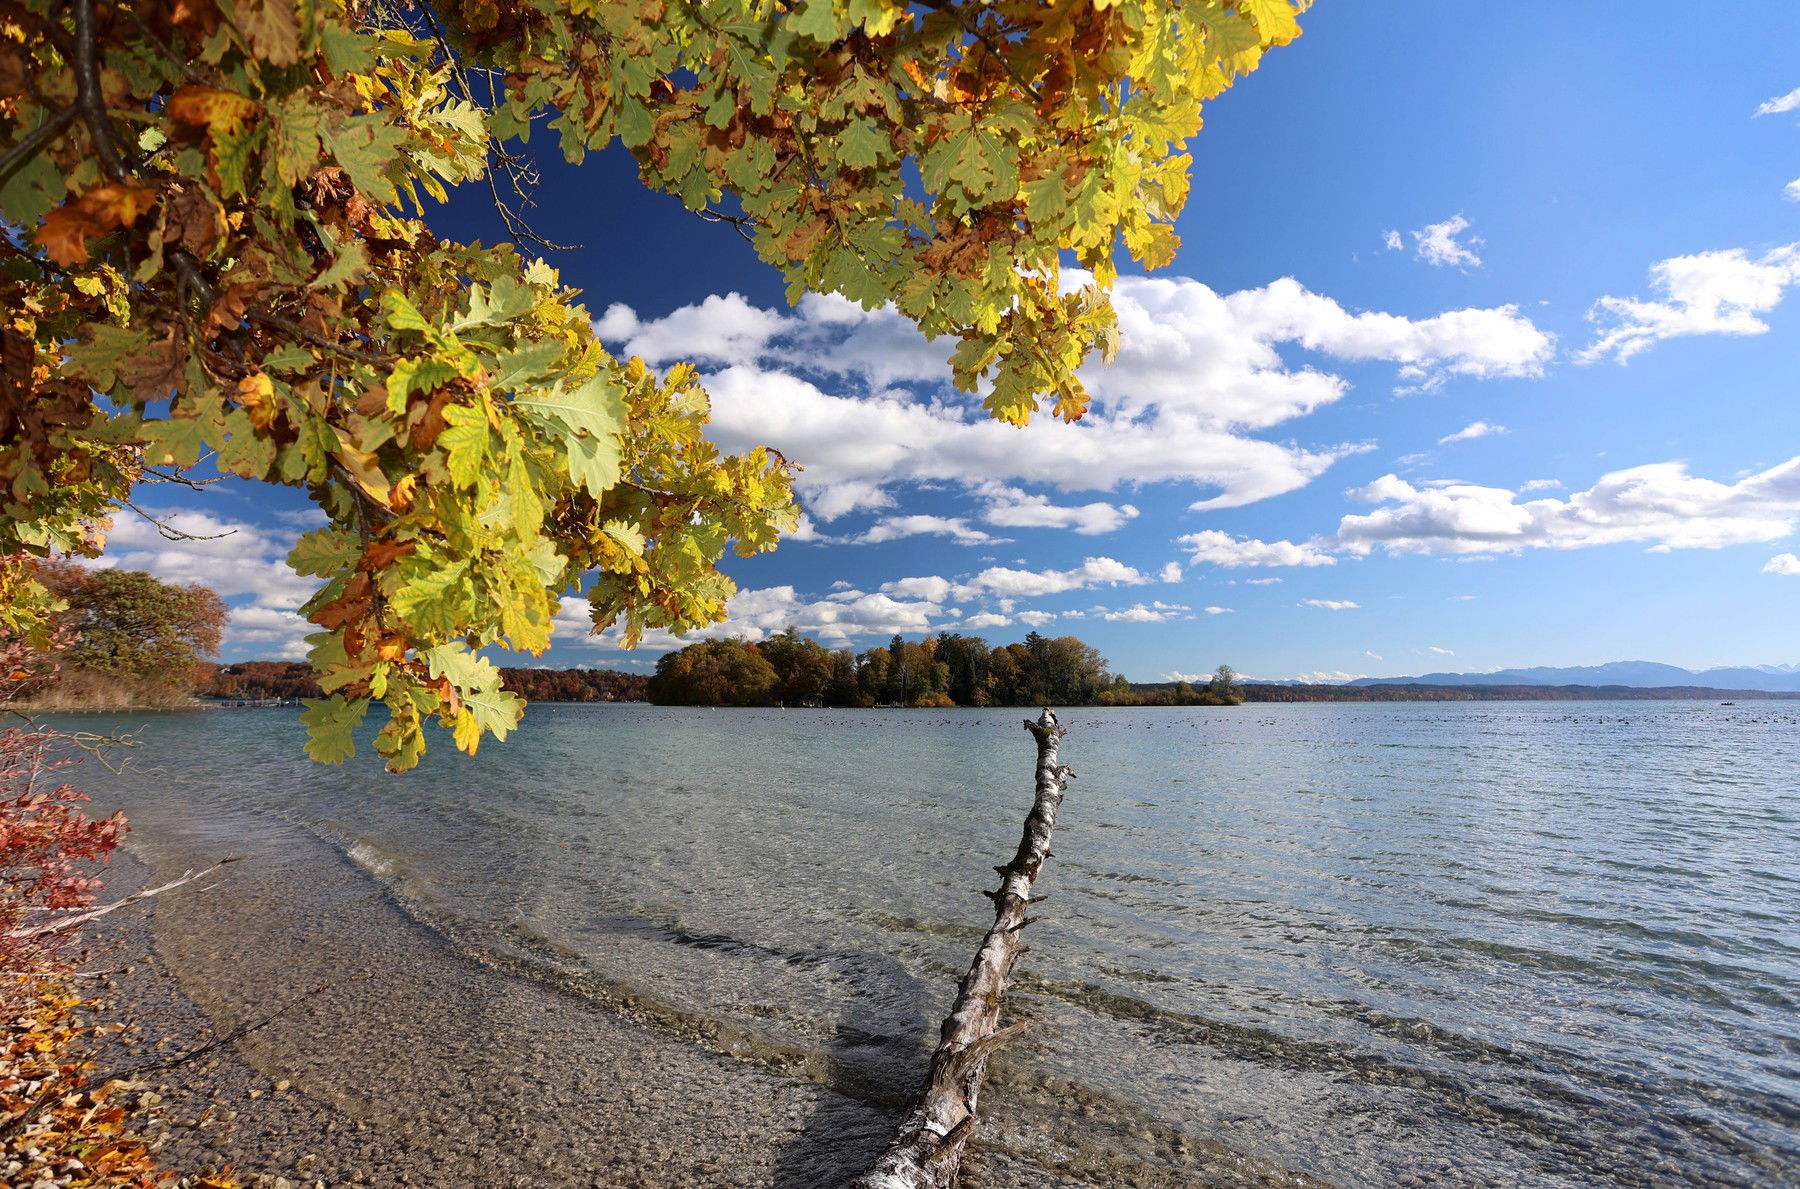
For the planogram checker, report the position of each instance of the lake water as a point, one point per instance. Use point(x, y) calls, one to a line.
point(1441, 943)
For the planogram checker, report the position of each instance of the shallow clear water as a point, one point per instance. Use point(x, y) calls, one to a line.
point(1442, 943)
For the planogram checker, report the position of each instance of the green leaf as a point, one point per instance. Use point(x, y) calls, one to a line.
point(330, 723)
point(595, 415)
point(527, 364)
point(300, 134)
point(289, 357)
point(818, 20)
point(351, 262)
point(420, 374)
point(232, 151)
point(597, 407)
point(465, 443)
point(465, 670)
point(495, 305)
point(495, 712)
point(402, 314)
point(106, 352)
point(1045, 198)
point(860, 145)
point(174, 442)
point(245, 452)
point(433, 597)
point(365, 147)
point(29, 191)
point(346, 48)
point(324, 552)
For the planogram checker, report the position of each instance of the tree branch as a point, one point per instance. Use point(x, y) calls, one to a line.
point(90, 99)
point(91, 102)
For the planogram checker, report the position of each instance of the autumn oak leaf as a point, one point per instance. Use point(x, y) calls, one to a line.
point(219, 112)
point(64, 232)
point(272, 28)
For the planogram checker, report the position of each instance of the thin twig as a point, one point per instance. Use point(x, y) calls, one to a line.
point(34, 140)
point(277, 322)
point(156, 476)
point(517, 229)
point(74, 919)
point(173, 534)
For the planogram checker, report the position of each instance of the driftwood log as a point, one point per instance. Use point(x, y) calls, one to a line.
point(927, 1151)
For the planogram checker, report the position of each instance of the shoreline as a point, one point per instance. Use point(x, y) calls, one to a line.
point(388, 1082)
point(421, 1063)
point(385, 1082)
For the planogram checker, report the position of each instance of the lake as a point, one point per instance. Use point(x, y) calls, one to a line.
point(1544, 943)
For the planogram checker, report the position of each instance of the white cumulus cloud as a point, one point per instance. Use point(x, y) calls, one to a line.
point(1197, 374)
point(1005, 583)
point(1331, 604)
point(756, 614)
point(1718, 292)
point(1658, 503)
point(1781, 103)
point(1471, 431)
point(1009, 507)
point(893, 528)
point(1783, 563)
point(1222, 549)
point(1437, 244)
point(1143, 614)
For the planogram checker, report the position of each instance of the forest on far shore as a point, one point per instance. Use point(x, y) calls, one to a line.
point(126, 640)
point(948, 669)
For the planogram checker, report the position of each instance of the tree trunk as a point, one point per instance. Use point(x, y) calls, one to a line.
point(927, 1152)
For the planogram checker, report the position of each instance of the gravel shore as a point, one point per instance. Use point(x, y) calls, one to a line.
point(434, 1072)
point(398, 1061)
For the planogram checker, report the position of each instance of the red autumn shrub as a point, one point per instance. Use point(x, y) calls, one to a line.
point(48, 845)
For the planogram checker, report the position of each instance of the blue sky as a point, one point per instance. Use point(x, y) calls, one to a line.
point(1480, 351)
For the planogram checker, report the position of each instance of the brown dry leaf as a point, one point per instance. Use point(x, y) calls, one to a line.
point(272, 28)
point(64, 232)
point(381, 554)
point(63, 235)
point(430, 419)
point(353, 604)
point(229, 309)
point(373, 402)
point(12, 72)
point(198, 17)
point(190, 219)
point(152, 373)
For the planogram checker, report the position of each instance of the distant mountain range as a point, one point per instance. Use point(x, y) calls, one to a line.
point(1637, 674)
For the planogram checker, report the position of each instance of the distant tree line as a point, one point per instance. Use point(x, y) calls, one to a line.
point(948, 669)
point(1415, 692)
point(296, 679)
